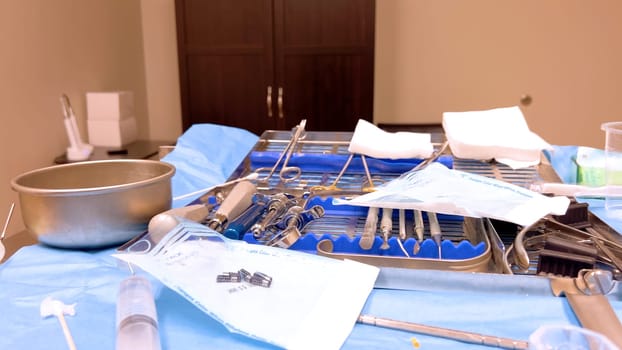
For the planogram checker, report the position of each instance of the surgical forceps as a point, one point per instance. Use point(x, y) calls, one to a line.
point(287, 173)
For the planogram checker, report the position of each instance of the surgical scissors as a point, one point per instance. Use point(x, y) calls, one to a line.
point(287, 173)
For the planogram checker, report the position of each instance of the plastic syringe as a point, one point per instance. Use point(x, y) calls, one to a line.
point(137, 321)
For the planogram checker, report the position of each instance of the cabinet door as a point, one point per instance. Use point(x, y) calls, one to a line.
point(226, 62)
point(324, 55)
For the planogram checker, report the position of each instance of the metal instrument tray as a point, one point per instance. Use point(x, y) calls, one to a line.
point(321, 155)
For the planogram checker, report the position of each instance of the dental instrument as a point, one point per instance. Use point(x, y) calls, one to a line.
point(419, 228)
point(402, 230)
point(52, 307)
point(243, 223)
point(418, 216)
point(370, 181)
point(292, 224)
point(464, 336)
point(386, 223)
point(435, 231)
point(137, 320)
point(333, 185)
point(287, 173)
point(236, 202)
point(402, 224)
point(369, 231)
point(6, 225)
point(277, 205)
point(162, 223)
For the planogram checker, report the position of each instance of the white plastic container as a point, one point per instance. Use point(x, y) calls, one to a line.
point(613, 165)
point(568, 337)
point(113, 105)
point(112, 133)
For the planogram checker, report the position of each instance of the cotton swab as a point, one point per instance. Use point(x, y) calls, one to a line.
point(53, 307)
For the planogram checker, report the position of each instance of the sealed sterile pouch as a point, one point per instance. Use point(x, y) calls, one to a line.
point(438, 189)
point(291, 299)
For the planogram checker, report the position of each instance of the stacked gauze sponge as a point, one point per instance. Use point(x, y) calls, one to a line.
point(372, 141)
point(501, 134)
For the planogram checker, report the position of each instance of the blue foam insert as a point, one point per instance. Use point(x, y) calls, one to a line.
point(345, 245)
point(317, 162)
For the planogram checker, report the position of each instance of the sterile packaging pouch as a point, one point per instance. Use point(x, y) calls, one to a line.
point(438, 189)
point(501, 134)
point(312, 302)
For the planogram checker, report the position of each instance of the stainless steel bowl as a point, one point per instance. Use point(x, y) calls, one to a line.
point(93, 204)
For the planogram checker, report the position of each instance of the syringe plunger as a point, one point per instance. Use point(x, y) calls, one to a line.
point(137, 321)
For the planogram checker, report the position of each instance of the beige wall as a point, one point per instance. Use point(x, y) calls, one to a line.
point(455, 55)
point(68, 46)
point(162, 74)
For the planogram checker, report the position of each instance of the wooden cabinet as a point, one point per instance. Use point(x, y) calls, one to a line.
point(267, 64)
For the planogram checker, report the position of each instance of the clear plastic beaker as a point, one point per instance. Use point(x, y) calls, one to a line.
point(568, 337)
point(613, 165)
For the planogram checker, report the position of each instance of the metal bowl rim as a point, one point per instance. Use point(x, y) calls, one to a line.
point(91, 190)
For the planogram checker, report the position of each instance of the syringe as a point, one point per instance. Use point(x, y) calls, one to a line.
point(137, 320)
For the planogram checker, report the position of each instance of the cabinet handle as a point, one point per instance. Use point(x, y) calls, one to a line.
point(280, 102)
point(269, 101)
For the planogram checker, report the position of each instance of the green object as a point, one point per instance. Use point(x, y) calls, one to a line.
point(591, 167)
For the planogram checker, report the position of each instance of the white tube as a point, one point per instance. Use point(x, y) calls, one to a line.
point(73, 141)
point(562, 189)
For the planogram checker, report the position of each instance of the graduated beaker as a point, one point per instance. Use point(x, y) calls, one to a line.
point(613, 165)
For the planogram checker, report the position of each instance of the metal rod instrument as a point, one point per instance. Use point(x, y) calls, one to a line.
point(435, 231)
point(464, 336)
